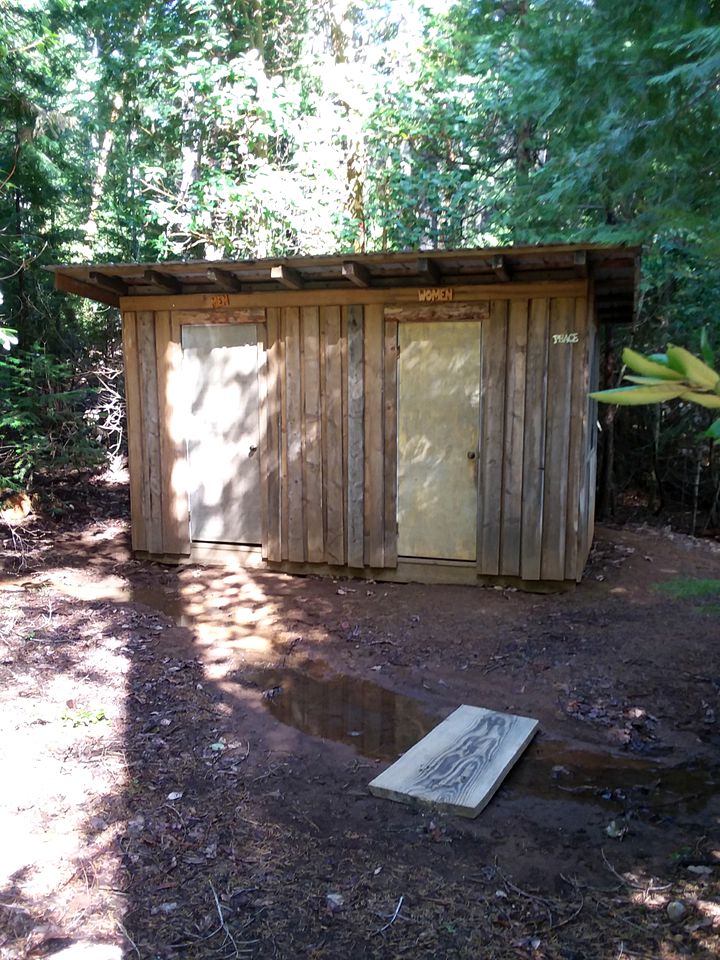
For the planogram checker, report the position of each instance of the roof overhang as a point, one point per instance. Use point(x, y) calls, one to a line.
point(614, 271)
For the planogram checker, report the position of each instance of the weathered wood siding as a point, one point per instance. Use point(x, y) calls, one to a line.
point(330, 411)
point(536, 450)
point(156, 454)
point(328, 428)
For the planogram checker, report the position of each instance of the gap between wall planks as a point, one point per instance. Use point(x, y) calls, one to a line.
point(313, 506)
point(332, 434)
point(513, 441)
point(374, 502)
point(262, 368)
point(151, 462)
point(355, 437)
point(533, 476)
point(273, 432)
point(390, 396)
point(557, 442)
point(134, 430)
point(492, 419)
point(175, 531)
point(577, 437)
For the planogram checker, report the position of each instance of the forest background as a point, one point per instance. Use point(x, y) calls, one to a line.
point(163, 129)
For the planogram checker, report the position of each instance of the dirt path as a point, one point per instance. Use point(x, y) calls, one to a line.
point(186, 756)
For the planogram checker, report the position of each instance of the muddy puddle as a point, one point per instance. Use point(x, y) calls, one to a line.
point(377, 722)
point(381, 724)
point(551, 769)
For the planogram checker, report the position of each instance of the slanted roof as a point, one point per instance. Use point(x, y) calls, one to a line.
point(613, 269)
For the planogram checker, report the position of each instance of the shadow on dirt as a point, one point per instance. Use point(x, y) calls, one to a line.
point(220, 808)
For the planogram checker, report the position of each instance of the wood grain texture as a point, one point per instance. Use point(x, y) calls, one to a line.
point(514, 441)
point(173, 461)
point(273, 436)
point(374, 503)
point(534, 460)
point(589, 457)
point(239, 315)
point(262, 366)
point(460, 764)
point(469, 293)
point(133, 408)
point(577, 429)
point(152, 478)
point(356, 439)
point(390, 394)
point(492, 433)
point(332, 432)
point(313, 505)
point(557, 442)
point(437, 312)
point(293, 436)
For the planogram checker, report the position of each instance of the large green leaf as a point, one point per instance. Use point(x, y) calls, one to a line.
point(709, 400)
point(713, 431)
point(648, 368)
point(699, 374)
point(634, 396)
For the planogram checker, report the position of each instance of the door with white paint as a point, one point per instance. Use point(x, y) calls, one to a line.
point(220, 372)
point(438, 424)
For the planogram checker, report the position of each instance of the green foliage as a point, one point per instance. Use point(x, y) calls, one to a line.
point(42, 418)
point(83, 716)
point(676, 374)
point(689, 588)
point(702, 591)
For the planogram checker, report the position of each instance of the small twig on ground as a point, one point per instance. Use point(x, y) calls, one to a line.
point(646, 888)
point(395, 915)
point(223, 925)
point(127, 936)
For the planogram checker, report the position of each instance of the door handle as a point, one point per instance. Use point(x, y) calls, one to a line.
point(253, 450)
point(472, 455)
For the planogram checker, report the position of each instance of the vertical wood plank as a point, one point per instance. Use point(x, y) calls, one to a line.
point(333, 472)
point(390, 443)
point(356, 437)
point(557, 441)
point(578, 427)
point(312, 444)
point(262, 364)
point(512, 490)
point(293, 436)
point(152, 479)
point(282, 352)
point(591, 453)
point(374, 443)
point(133, 410)
point(534, 460)
point(173, 462)
point(273, 436)
point(492, 437)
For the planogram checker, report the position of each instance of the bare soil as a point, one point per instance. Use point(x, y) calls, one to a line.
point(186, 752)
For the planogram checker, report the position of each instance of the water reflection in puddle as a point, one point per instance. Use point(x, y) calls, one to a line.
point(551, 769)
point(376, 721)
point(382, 724)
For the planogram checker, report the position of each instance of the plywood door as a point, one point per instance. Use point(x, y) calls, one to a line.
point(438, 403)
point(220, 369)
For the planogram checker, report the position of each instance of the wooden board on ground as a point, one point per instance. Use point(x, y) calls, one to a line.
point(460, 764)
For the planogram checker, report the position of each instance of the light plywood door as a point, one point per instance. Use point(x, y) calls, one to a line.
point(438, 404)
point(220, 370)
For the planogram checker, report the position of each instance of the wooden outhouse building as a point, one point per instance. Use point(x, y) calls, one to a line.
point(413, 416)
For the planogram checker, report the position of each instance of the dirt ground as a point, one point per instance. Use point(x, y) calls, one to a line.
point(186, 752)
